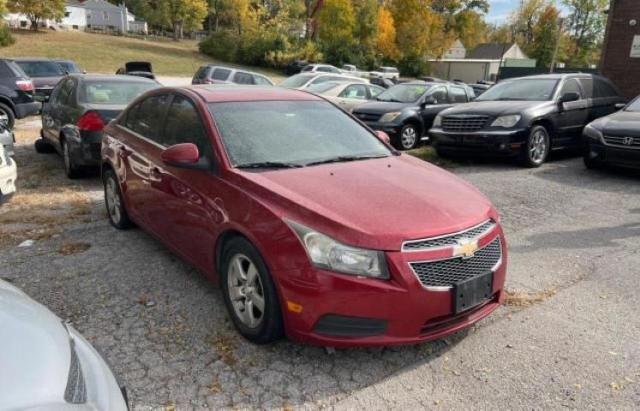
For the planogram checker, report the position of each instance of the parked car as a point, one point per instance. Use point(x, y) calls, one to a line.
point(283, 230)
point(481, 86)
point(614, 139)
point(390, 73)
point(295, 66)
point(17, 99)
point(80, 106)
point(211, 74)
point(382, 82)
point(320, 68)
point(303, 80)
point(8, 176)
point(7, 138)
point(44, 73)
point(526, 117)
point(407, 110)
point(137, 68)
point(346, 95)
point(47, 364)
point(349, 68)
point(70, 67)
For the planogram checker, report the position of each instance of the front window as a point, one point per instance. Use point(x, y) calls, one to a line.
point(69, 67)
point(117, 93)
point(294, 133)
point(403, 93)
point(524, 89)
point(634, 106)
point(296, 81)
point(41, 68)
point(322, 87)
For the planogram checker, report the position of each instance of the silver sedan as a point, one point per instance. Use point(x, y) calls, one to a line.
point(346, 95)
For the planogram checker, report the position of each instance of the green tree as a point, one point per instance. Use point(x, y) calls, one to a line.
point(546, 33)
point(524, 19)
point(180, 15)
point(471, 28)
point(586, 24)
point(37, 10)
point(336, 26)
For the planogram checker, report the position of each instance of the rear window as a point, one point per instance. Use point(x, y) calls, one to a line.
point(69, 67)
point(221, 74)
point(112, 92)
point(41, 68)
point(202, 72)
point(262, 81)
point(242, 78)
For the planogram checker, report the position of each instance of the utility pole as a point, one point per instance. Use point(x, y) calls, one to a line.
point(555, 50)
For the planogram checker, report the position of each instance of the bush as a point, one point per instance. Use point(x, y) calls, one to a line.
point(412, 66)
point(6, 39)
point(301, 51)
point(221, 45)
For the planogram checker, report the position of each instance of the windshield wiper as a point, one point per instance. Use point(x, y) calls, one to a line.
point(269, 164)
point(341, 159)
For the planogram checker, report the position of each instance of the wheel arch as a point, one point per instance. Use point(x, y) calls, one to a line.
point(547, 124)
point(7, 102)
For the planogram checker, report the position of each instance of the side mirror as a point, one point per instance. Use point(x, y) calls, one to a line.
point(384, 137)
point(184, 155)
point(569, 97)
point(620, 106)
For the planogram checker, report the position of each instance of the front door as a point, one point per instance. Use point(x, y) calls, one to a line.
point(437, 99)
point(572, 116)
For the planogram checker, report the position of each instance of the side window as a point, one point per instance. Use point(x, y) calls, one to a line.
point(184, 126)
point(221, 74)
point(457, 95)
point(587, 87)
point(375, 90)
point(129, 118)
point(66, 90)
point(4, 70)
point(439, 94)
point(571, 86)
point(307, 68)
point(262, 81)
point(150, 116)
point(603, 89)
point(321, 79)
point(203, 72)
point(242, 78)
point(355, 91)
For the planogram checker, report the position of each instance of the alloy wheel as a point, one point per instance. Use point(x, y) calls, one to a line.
point(113, 201)
point(245, 291)
point(538, 147)
point(408, 137)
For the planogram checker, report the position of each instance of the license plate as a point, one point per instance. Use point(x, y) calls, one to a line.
point(469, 293)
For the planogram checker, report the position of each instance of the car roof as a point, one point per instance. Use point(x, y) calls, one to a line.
point(228, 93)
point(120, 77)
point(31, 59)
point(235, 69)
point(554, 76)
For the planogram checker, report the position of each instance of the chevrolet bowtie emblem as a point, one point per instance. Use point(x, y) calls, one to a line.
point(465, 248)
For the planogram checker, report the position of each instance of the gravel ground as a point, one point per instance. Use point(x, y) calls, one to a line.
point(568, 338)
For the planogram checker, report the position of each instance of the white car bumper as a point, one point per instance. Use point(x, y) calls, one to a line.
point(8, 176)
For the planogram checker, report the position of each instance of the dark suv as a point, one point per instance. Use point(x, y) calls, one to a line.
point(45, 74)
point(406, 111)
point(16, 93)
point(527, 117)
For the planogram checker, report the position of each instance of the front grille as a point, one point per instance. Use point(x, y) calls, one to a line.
point(368, 117)
point(446, 273)
point(448, 240)
point(466, 123)
point(628, 142)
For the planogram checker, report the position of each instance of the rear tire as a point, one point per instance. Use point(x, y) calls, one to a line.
point(536, 148)
point(70, 168)
point(249, 293)
point(7, 114)
point(117, 212)
point(42, 146)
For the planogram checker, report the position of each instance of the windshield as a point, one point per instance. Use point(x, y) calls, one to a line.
point(69, 67)
point(403, 93)
point(321, 87)
point(41, 68)
point(634, 106)
point(112, 92)
point(523, 89)
point(291, 133)
point(297, 81)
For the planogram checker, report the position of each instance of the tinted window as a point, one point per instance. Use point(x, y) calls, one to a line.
point(112, 92)
point(184, 126)
point(522, 89)
point(150, 116)
point(5, 71)
point(604, 89)
point(41, 68)
point(64, 94)
point(439, 94)
point(326, 69)
point(457, 95)
point(262, 81)
point(307, 68)
point(242, 78)
point(221, 74)
point(587, 87)
point(355, 91)
point(69, 67)
point(202, 72)
point(571, 86)
point(291, 132)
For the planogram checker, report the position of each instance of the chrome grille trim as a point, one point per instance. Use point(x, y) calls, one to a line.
point(464, 123)
point(441, 275)
point(448, 240)
point(618, 141)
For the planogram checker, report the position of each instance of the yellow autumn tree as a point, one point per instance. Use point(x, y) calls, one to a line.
point(386, 36)
point(337, 23)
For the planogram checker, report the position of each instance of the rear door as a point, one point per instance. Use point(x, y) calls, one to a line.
point(572, 116)
point(602, 95)
point(54, 115)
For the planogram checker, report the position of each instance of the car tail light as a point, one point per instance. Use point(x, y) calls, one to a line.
point(91, 121)
point(25, 85)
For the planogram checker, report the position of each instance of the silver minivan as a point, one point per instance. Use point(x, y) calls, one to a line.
point(212, 74)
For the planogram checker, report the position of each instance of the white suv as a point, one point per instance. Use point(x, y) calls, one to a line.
point(391, 73)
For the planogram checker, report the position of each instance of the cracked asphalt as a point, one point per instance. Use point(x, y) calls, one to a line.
point(573, 236)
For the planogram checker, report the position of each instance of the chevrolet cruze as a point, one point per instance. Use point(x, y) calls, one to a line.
point(313, 226)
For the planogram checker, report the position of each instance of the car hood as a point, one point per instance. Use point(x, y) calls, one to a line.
point(621, 123)
point(45, 82)
point(495, 108)
point(381, 107)
point(35, 355)
point(374, 204)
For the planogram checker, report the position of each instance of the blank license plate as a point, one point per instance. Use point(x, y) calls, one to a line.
point(471, 292)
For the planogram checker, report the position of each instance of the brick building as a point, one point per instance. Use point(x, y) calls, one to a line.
point(621, 49)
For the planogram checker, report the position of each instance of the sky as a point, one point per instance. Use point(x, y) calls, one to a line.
point(500, 10)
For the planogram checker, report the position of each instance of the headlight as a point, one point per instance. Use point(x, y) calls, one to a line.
point(328, 254)
point(506, 121)
point(389, 117)
point(437, 122)
point(592, 132)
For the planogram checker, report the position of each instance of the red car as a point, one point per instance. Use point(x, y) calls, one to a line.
point(311, 223)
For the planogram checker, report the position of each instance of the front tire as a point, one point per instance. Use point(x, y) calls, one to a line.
point(537, 147)
point(249, 293)
point(118, 216)
point(589, 161)
point(7, 114)
point(408, 138)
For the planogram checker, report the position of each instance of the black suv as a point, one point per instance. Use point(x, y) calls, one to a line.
point(16, 93)
point(527, 117)
point(407, 110)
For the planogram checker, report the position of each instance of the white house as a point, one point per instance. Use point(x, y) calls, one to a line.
point(456, 51)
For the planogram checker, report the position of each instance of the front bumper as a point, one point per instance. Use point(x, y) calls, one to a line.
point(346, 311)
point(614, 155)
point(500, 142)
point(8, 176)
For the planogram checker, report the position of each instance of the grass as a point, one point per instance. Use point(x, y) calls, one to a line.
point(427, 153)
point(101, 53)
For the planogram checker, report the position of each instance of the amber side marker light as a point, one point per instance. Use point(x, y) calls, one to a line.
point(293, 307)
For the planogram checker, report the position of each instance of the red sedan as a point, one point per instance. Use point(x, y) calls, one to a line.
point(311, 223)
